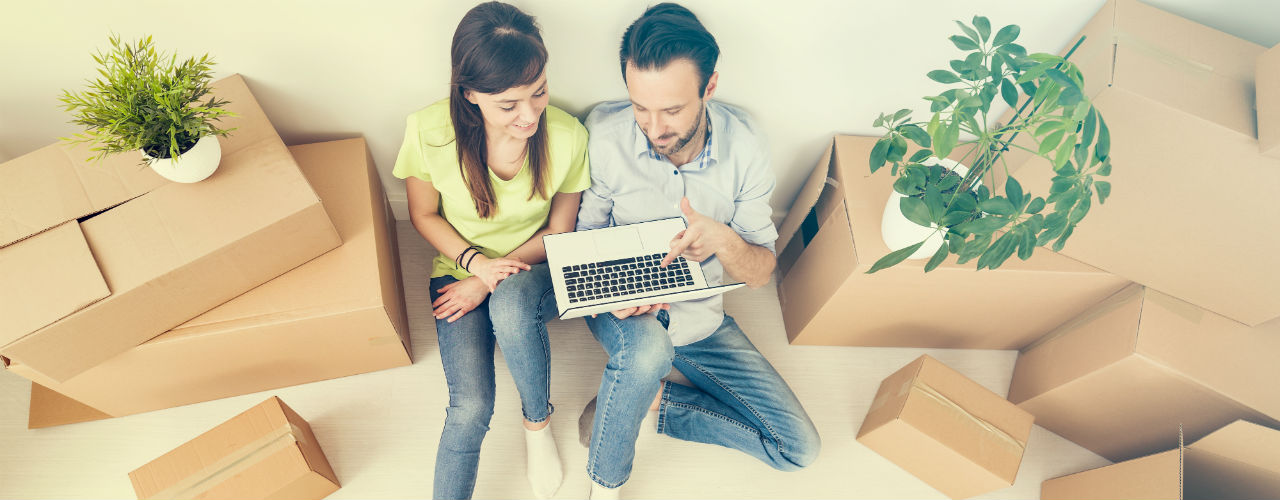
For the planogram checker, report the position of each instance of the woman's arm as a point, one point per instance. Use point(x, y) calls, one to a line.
point(424, 212)
point(563, 218)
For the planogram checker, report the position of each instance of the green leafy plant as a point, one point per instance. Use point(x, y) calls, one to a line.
point(1048, 105)
point(146, 100)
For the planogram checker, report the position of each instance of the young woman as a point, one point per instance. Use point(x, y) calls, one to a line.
point(489, 171)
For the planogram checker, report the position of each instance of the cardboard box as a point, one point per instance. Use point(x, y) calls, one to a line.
point(340, 314)
point(832, 238)
point(166, 252)
point(1239, 461)
point(1189, 188)
point(1268, 89)
point(946, 429)
point(266, 452)
point(1123, 377)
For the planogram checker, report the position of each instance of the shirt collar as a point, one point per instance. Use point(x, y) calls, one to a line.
point(705, 158)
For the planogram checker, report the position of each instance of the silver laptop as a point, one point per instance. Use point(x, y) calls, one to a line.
point(613, 268)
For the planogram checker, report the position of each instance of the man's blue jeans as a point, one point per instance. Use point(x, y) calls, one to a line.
point(738, 400)
point(515, 317)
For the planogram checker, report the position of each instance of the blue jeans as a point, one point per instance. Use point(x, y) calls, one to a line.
point(514, 316)
point(738, 400)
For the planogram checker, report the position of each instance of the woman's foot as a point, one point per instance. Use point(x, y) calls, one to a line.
point(601, 493)
point(542, 459)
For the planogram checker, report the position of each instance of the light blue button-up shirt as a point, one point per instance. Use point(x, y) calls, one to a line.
point(730, 181)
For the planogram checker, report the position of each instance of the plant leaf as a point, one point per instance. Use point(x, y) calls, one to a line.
point(1013, 191)
point(973, 35)
point(878, 153)
point(916, 134)
point(938, 256)
point(1103, 149)
point(1051, 142)
point(943, 76)
point(998, 206)
point(1008, 92)
point(1104, 190)
point(1036, 205)
point(895, 257)
point(897, 148)
point(1005, 35)
point(919, 155)
point(1027, 245)
point(915, 210)
point(983, 25)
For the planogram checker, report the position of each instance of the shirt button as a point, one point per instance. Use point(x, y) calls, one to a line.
point(675, 172)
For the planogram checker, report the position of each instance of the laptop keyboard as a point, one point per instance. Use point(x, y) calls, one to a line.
point(621, 277)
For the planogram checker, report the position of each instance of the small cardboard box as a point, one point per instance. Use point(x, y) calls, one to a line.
point(1189, 190)
point(1238, 462)
point(130, 256)
point(1268, 88)
point(946, 429)
point(1123, 377)
point(340, 314)
point(832, 238)
point(267, 452)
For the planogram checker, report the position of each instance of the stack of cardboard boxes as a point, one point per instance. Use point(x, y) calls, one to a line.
point(125, 293)
point(1162, 314)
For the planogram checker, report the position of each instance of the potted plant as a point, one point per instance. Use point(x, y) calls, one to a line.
point(147, 101)
point(957, 211)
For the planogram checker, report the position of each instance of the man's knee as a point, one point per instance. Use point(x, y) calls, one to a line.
point(803, 451)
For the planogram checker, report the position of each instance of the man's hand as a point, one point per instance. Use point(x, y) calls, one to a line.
point(638, 310)
point(702, 238)
point(458, 298)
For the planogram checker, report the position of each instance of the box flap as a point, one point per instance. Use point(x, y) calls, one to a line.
point(1219, 353)
point(49, 409)
point(1184, 64)
point(1101, 336)
point(57, 183)
point(1152, 477)
point(45, 278)
point(1247, 443)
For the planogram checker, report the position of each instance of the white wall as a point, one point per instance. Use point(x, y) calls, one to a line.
point(330, 69)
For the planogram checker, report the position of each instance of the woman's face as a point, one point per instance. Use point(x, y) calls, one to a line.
point(515, 111)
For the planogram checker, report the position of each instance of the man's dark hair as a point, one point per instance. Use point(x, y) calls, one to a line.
point(667, 32)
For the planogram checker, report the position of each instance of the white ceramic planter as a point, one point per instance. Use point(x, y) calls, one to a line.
point(899, 232)
point(195, 165)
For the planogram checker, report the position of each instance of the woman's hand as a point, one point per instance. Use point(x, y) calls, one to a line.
point(493, 271)
point(458, 298)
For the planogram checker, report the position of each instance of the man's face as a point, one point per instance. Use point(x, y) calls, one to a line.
point(667, 106)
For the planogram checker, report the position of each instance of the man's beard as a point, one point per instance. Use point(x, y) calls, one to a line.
point(680, 143)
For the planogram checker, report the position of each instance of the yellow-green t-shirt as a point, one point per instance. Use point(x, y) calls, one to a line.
point(429, 153)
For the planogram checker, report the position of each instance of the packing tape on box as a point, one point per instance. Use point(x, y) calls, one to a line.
point(1163, 55)
point(949, 404)
point(233, 463)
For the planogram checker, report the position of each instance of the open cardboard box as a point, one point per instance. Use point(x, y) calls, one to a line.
point(340, 314)
point(1238, 462)
point(1124, 377)
point(946, 429)
point(266, 452)
point(832, 238)
point(127, 256)
point(1192, 207)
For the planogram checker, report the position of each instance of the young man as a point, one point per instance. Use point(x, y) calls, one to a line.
point(671, 151)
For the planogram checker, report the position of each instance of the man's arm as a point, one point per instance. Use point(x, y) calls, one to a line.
point(704, 237)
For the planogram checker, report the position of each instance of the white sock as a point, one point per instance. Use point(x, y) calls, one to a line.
point(542, 461)
point(601, 493)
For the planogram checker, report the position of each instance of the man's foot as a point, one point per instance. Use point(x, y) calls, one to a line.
point(601, 493)
point(585, 423)
point(542, 461)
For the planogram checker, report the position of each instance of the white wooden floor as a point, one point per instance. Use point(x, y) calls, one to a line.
point(379, 430)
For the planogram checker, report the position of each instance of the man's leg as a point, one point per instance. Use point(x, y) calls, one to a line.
point(739, 401)
point(640, 355)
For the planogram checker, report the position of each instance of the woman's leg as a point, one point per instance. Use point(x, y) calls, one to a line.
point(466, 350)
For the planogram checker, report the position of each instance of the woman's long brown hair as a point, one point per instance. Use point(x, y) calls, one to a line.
point(496, 47)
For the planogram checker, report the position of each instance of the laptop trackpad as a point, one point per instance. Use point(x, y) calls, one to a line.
point(617, 244)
